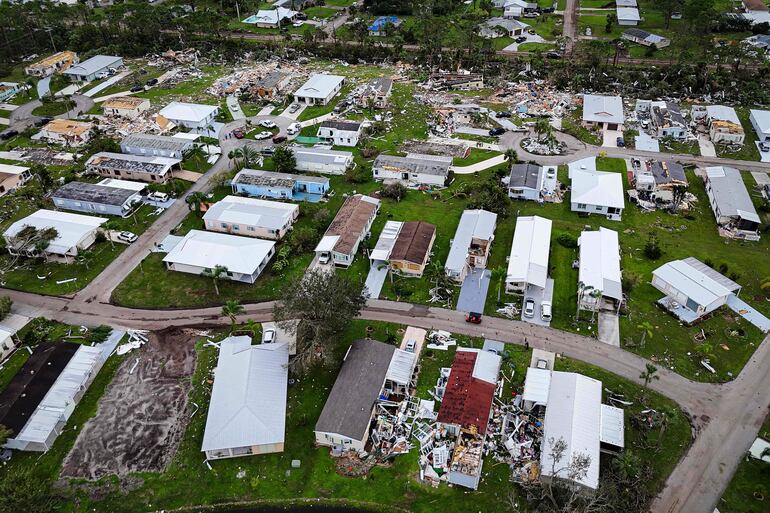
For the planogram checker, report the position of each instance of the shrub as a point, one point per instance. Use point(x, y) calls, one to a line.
point(567, 240)
point(395, 190)
point(652, 248)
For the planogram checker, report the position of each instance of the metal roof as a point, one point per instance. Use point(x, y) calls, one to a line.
point(730, 194)
point(93, 65)
point(529, 251)
point(322, 156)
point(209, 249)
point(272, 215)
point(762, 119)
point(386, 241)
point(319, 86)
point(722, 113)
point(603, 109)
point(600, 188)
point(190, 112)
point(526, 175)
point(628, 13)
point(273, 179)
point(401, 367)
point(94, 193)
point(135, 163)
point(689, 278)
point(351, 222)
point(613, 426)
point(347, 126)
point(414, 163)
point(71, 228)
point(600, 262)
point(474, 224)
point(537, 385)
point(10, 169)
point(248, 400)
point(156, 142)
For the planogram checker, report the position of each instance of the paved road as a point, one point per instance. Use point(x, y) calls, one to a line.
point(22, 117)
point(570, 23)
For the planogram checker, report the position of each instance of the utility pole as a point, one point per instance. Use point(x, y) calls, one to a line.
point(49, 30)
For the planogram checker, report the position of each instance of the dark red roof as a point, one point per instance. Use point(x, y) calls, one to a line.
point(467, 400)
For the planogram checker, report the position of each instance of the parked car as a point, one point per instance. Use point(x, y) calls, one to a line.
point(238, 133)
point(496, 131)
point(268, 336)
point(529, 308)
point(548, 10)
point(298, 23)
point(520, 39)
point(137, 88)
point(410, 345)
point(545, 311)
point(531, 15)
point(294, 128)
point(621, 142)
point(267, 150)
point(152, 82)
point(473, 318)
point(235, 107)
point(161, 197)
point(324, 259)
point(553, 55)
point(263, 135)
point(267, 123)
point(341, 106)
point(127, 237)
point(294, 107)
point(43, 121)
point(7, 134)
point(503, 114)
point(279, 139)
point(764, 146)
point(102, 74)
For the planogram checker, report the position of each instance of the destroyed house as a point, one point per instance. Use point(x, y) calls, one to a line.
point(66, 131)
point(350, 226)
point(155, 145)
point(414, 169)
point(132, 167)
point(98, 198)
point(8, 90)
point(667, 120)
point(733, 208)
point(645, 38)
point(465, 411)
point(55, 63)
point(471, 244)
point(723, 123)
point(405, 246)
point(656, 179)
point(459, 81)
point(12, 177)
point(129, 107)
point(251, 217)
point(375, 93)
point(340, 133)
point(272, 84)
point(321, 160)
point(268, 184)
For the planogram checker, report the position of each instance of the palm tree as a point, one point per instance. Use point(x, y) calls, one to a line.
point(232, 309)
point(650, 374)
point(252, 326)
point(434, 272)
point(499, 274)
point(84, 257)
point(194, 201)
point(511, 157)
point(581, 288)
point(543, 129)
point(196, 154)
point(234, 155)
point(215, 274)
point(249, 155)
point(646, 328)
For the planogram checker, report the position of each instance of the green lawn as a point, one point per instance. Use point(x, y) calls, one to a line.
point(749, 150)
point(749, 490)
point(476, 155)
point(313, 111)
point(53, 108)
point(572, 125)
point(320, 12)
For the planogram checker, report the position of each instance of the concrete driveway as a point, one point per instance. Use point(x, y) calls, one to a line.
point(538, 294)
point(609, 328)
point(706, 146)
point(610, 138)
point(473, 293)
point(234, 107)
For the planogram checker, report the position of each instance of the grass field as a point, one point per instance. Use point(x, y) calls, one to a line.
point(53, 108)
point(749, 490)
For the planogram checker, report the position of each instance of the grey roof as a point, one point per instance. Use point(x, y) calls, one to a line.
point(350, 126)
point(525, 175)
point(93, 65)
point(94, 193)
point(730, 193)
point(670, 112)
point(474, 224)
point(156, 142)
point(273, 179)
point(711, 273)
point(135, 163)
point(321, 155)
point(415, 163)
point(271, 80)
point(349, 407)
point(603, 109)
point(667, 171)
point(382, 84)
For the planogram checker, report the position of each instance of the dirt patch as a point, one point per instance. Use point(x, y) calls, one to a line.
point(142, 415)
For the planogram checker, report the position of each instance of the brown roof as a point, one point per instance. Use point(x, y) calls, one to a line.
point(68, 127)
point(45, 62)
point(755, 5)
point(350, 222)
point(124, 102)
point(414, 242)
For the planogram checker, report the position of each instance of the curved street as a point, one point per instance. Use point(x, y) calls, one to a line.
point(22, 116)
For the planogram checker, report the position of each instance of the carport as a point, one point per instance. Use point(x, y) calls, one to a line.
point(538, 294)
point(473, 293)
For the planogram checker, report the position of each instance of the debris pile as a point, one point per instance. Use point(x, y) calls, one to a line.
point(174, 57)
point(136, 339)
point(441, 340)
point(260, 80)
point(536, 98)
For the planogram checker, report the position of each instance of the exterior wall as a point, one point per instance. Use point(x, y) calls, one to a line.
point(326, 169)
point(12, 182)
point(130, 175)
point(139, 150)
point(58, 138)
point(413, 178)
point(197, 124)
point(515, 287)
point(675, 132)
point(718, 136)
point(760, 136)
point(319, 101)
point(243, 278)
point(597, 209)
point(92, 207)
point(236, 452)
point(523, 193)
point(7, 345)
point(628, 23)
point(128, 113)
point(4, 95)
point(248, 230)
point(91, 76)
point(332, 439)
point(339, 137)
point(258, 191)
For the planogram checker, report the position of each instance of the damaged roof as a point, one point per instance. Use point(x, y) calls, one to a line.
point(273, 179)
point(415, 163)
point(414, 242)
point(351, 221)
point(94, 193)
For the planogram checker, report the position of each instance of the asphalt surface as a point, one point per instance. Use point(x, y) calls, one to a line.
point(22, 117)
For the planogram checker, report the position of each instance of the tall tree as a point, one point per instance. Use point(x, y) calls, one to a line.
point(215, 274)
point(284, 160)
point(194, 201)
point(232, 309)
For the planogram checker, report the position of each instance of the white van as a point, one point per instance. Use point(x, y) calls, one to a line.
point(294, 128)
point(160, 197)
point(545, 311)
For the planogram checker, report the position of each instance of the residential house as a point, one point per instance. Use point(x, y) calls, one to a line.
point(596, 192)
point(74, 233)
point(599, 276)
point(756, 11)
point(416, 169)
point(67, 132)
point(13, 177)
point(532, 182)
point(528, 263)
point(370, 369)
point(251, 217)
point(502, 27)
point(604, 112)
point(190, 115)
point(272, 84)
point(733, 208)
point(471, 244)
point(268, 184)
point(247, 409)
point(465, 410)
point(243, 257)
point(156, 145)
point(297, 5)
point(129, 107)
point(405, 246)
point(457, 81)
point(133, 167)
point(272, 18)
point(55, 63)
point(8, 90)
point(645, 38)
point(760, 120)
point(517, 8)
point(321, 160)
point(665, 118)
point(340, 133)
point(722, 122)
point(628, 16)
point(375, 94)
point(656, 179)
point(88, 70)
point(319, 89)
point(106, 199)
point(349, 227)
point(379, 26)
point(42, 396)
point(7, 343)
point(692, 289)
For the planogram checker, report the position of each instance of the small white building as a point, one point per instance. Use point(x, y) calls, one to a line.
point(471, 244)
point(321, 160)
point(599, 269)
point(733, 208)
point(528, 263)
point(75, 233)
point(244, 257)
point(129, 107)
point(760, 120)
point(603, 111)
point(340, 133)
point(628, 16)
point(319, 89)
point(350, 226)
point(12, 177)
point(272, 18)
point(251, 217)
point(596, 192)
point(190, 115)
point(247, 410)
point(415, 169)
point(66, 132)
point(724, 125)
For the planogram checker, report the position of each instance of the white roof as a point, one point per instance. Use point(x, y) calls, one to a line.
point(757, 450)
point(757, 17)
point(93, 65)
point(273, 16)
point(625, 3)
point(692, 282)
point(474, 224)
point(537, 385)
point(629, 13)
point(613, 425)
point(529, 251)
point(72, 228)
point(327, 243)
point(61, 395)
point(319, 86)
point(387, 240)
point(210, 249)
point(600, 262)
point(401, 367)
point(730, 194)
point(123, 184)
point(190, 112)
point(603, 109)
point(12, 170)
point(762, 119)
point(322, 156)
point(600, 188)
point(722, 113)
point(272, 215)
point(487, 364)
point(573, 415)
point(248, 400)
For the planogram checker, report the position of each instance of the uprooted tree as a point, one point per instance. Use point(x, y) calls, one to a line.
point(28, 241)
point(325, 304)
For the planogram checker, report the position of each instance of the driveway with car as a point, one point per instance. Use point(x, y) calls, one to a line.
point(473, 293)
point(538, 295)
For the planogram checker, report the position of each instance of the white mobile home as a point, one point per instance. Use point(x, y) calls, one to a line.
point(733, 208)
point(528, 263)
point(251, 217)
point(599, 269)
point(596, 192)
point(414, 169)
point(321, 160)
point(760, 120)
point(471, 244)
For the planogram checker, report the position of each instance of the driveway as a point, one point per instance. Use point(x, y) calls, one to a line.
point(538, 294)
point(473, 293)
point(610, 138)
point(234, 107)
point(531, 38)
point(609, 328)
point(107, 83)
point(376, 279)
point(706, 146)
point(748, 312)
point(764, 156)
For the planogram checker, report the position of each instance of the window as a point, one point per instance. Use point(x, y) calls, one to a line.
point(581, 206)
point(250, 228)
point(224, 225)
point(236, 227)
point(599, 208)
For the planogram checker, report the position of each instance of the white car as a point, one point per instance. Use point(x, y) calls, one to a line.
point(267, 123)
point(297, 23)
point(127, 237)
point(294, 128)
point(235, 107)
point(158, 196)
point(529, 308)
point(268, 336)
point(262, 136)
point(324, 259)
point(545, 311)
